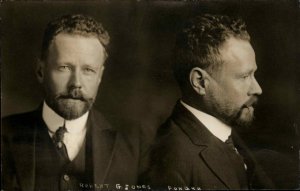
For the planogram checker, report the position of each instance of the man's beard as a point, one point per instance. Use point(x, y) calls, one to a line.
point(70, 105)
point(240, 118)
point(243, 118)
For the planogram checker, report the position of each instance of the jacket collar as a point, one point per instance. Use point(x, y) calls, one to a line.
point(192, 127)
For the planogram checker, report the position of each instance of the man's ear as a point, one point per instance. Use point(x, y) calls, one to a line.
point(39, 71)
point(198, 80)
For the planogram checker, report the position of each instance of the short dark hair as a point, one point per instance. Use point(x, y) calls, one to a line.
point(197, 44)
point(74, 24)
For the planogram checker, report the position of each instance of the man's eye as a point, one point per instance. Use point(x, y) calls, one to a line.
point(64, 68)
point(89, 70)
point(246, 76)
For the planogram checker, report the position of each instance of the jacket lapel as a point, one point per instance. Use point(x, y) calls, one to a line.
point(209, 146)
point(102, 138)
point(220, 165)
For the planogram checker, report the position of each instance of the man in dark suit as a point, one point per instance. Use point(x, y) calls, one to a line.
point(198, 147)
point(65, 144)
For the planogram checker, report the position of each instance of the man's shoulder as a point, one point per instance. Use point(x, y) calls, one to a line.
point(172, 142)
point(116, 123)
point(126, 129)
point(125, 133)
point(171, 155)
point(19, 123)
point(97, 116)
point(20, 116)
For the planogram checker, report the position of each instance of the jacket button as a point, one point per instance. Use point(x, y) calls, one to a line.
point(66, 178)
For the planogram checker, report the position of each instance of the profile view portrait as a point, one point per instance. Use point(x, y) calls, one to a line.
point(65, 144)
point(198, 146)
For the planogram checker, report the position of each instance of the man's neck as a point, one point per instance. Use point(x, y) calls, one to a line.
point(214, 125)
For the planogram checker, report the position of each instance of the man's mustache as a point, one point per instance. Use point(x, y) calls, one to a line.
point(73, 94)
point(251, 102)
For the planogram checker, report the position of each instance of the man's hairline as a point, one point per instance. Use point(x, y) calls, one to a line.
point(215, 52)
point(74, 33)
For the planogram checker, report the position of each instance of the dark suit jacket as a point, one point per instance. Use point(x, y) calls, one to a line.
point(187, 154)
point(115, 153)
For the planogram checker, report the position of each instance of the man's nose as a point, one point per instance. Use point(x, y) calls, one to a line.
point(75, 80)
point(255, 88)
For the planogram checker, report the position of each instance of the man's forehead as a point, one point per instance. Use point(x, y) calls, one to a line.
point(74, 37)
point(238, 54)
point(73, 43)
point(233, 44)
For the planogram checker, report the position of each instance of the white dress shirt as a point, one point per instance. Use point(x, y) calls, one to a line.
point(214, 125)
point(76, 129)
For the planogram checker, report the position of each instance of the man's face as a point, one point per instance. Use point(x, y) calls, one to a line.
point(72, 73)
point(233, 89)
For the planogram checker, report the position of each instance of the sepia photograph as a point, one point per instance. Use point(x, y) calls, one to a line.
point(150, 95)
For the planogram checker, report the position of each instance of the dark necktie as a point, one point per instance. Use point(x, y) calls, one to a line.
point(58, 141)
point(229, 142)
point(239, 164)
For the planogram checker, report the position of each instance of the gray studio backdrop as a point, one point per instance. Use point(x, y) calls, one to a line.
point(138, 83)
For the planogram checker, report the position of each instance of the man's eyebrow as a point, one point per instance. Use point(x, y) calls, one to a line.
point(247, 72)
point(63, 63)
point(252, 70)
point(90, 65)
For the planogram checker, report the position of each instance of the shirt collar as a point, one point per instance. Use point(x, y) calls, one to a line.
point(214, 125)
point(54, 121)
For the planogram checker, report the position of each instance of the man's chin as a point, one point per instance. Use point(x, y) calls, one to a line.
point(72, 108)
point(244, 119)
